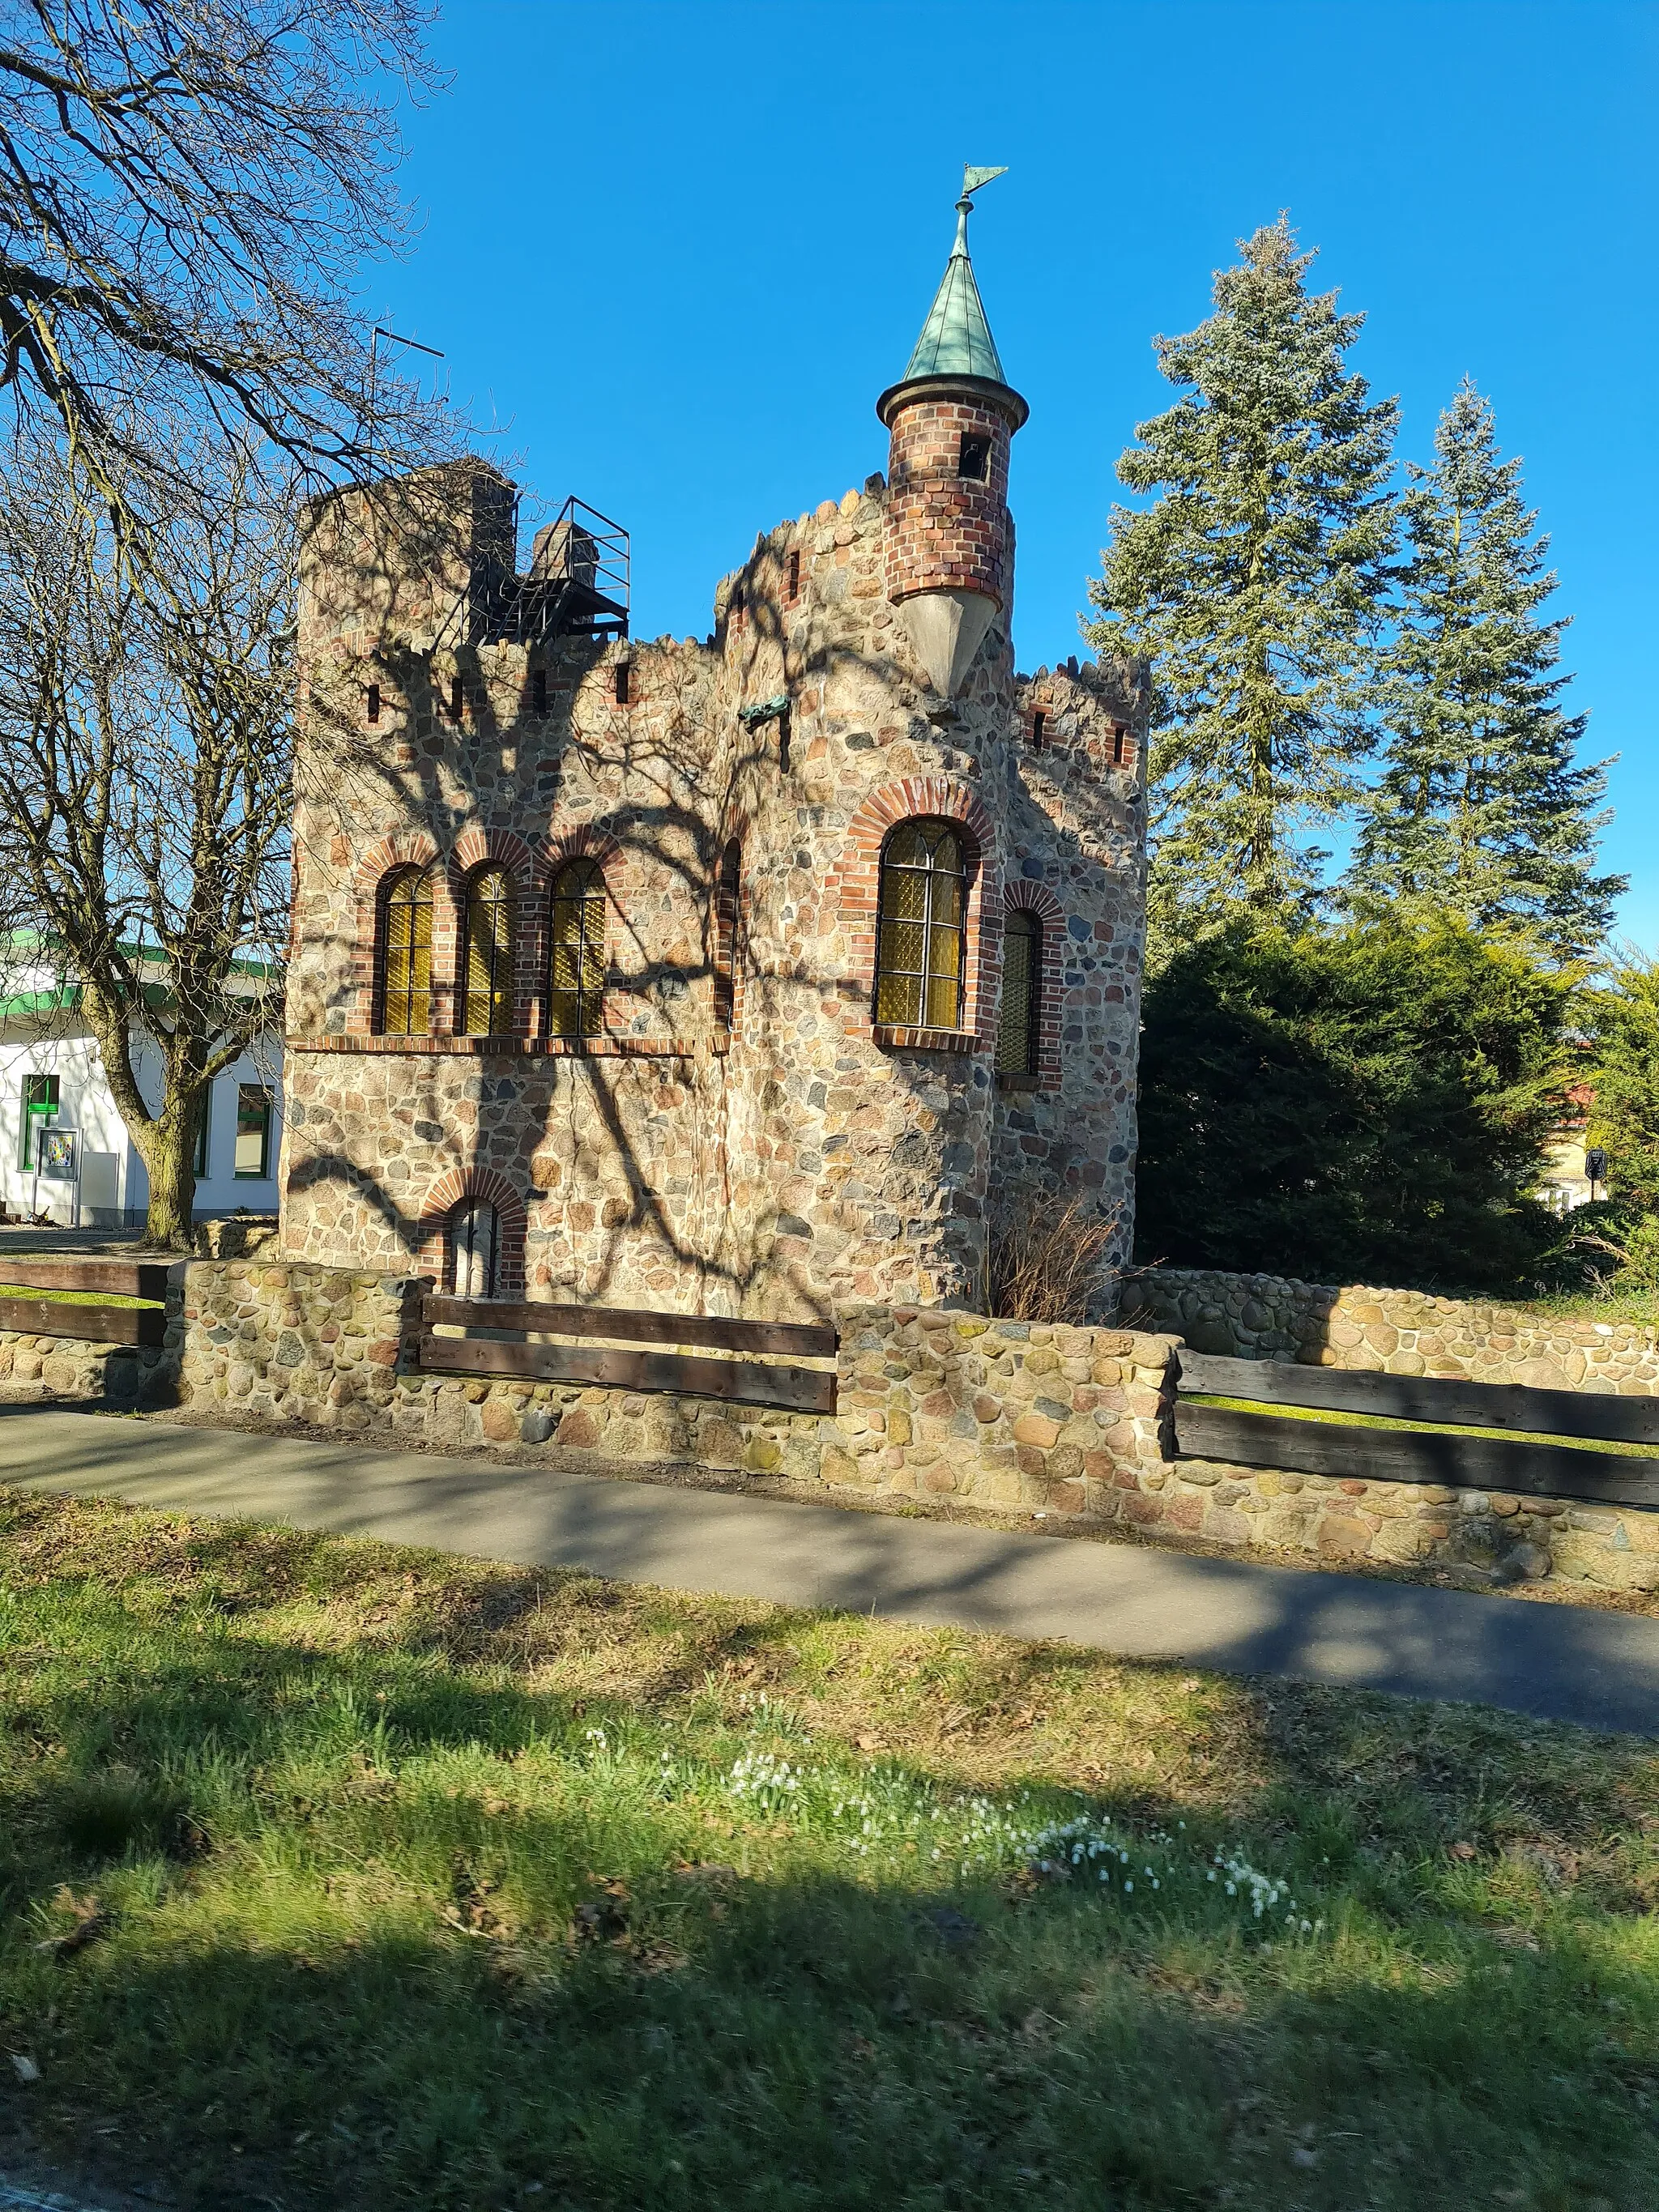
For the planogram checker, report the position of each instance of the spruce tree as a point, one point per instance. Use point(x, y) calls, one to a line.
point(1482, 812)
point(1257, 582)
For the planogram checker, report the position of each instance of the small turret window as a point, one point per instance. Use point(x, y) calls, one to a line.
point(921, 940)
point(974, 457)
point(373, 702)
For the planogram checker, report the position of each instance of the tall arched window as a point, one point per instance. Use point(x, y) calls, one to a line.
point(576, 993)
point(486, 962)
point(1016, 1017)
point(726, 896)
point(405, 950)
point(922, 941)
point(473, 1238)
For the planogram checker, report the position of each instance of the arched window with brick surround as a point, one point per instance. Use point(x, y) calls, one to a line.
point(576, 984)
point(403, 953)
point(1019, 1014)
point(487, 955)
point(921, 936)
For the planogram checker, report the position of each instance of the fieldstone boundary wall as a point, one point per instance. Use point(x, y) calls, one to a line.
point(125, 1375)
point(933, 1406)
point(1391, 1332)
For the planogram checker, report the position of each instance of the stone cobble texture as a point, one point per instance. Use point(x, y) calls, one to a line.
point(72, 1367)
point(1392, 1332)
point(933, 1405)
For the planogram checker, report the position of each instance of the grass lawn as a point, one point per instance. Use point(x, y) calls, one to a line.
point(73, 1297)
point(333, 1874)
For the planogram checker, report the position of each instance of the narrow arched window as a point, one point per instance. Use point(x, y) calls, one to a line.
point(472, 1241)
point(726, 936)
point(1016, 1017)
point(922, 941)
point(576, 995)
point(487, 961)
point(405, 954)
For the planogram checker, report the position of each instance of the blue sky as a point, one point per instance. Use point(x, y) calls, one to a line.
point(673, 251)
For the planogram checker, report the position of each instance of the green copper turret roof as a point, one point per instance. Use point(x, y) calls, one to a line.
point(955, 339)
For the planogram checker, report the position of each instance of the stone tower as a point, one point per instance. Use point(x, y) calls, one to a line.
point(951, 415)
point(761, 1110)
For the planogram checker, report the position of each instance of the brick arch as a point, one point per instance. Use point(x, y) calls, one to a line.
point(853, 884)
point(1036, 898)
point(432, 1229)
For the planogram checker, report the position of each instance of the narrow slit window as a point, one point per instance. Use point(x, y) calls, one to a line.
point(487, 962)
point(457, 698)
point(373, 702)
point(406, 955)
point(973, 456)
point(1119, 745)
point(539, 692)
point(727, 898)
point(921, 940)
point(253, 1131)
point(1039, 723)
point(577, 985)
point(624, 682)
point(1016, 1017)
point(794, 575)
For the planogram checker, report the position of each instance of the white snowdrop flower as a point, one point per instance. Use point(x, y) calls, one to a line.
point(1232, 1889)
point(1211, 1876)
point(1129, 1885)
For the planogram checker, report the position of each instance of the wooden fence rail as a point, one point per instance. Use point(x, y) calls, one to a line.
point(117, 1279)
point(501, 1350)
point(1459, 1461)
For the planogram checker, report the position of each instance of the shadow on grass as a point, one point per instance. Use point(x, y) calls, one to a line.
point(384, 1925)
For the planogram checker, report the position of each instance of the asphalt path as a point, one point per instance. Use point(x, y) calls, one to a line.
point(1555, 1661)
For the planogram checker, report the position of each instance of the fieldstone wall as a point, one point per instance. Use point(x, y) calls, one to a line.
point(745, 1142)
point(933, 1405)
point(1393, 1332)
point(75, 1368)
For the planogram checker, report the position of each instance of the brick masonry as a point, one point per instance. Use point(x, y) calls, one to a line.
point(933, 1406)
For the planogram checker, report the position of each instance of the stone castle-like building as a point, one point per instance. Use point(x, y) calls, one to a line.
point(753, 974)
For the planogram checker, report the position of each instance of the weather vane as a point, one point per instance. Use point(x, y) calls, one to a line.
point(973, 180)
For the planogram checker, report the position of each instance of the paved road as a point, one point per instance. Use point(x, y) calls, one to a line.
point(1558, 1662)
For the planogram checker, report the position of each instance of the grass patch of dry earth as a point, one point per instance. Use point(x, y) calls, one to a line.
point(337, 1874)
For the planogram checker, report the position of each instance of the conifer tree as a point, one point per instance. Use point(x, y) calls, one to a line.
point(1257, 582)
point(1483, 812)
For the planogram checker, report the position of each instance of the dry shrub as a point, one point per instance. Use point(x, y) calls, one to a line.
point(1048, 1256)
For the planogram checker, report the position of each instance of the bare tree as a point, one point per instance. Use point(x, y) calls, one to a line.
point(145, 770)
point(186, 190)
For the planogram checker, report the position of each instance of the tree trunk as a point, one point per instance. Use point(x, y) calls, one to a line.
point(169, 1148)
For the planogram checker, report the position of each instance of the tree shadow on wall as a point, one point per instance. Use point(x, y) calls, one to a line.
point(669, 781)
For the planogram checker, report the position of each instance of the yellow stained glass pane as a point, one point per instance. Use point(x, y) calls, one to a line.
point(944, 1009)
point(576, 995)
point(947, 899)
point(898, 1000)
point(905, 895)
point(406, 968)
point(489, 957)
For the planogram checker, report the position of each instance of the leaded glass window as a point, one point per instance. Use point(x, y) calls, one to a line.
point(1017, 1018)
point(576, 997)
point(489, 968)
point(921, 936)
point(406, 954)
